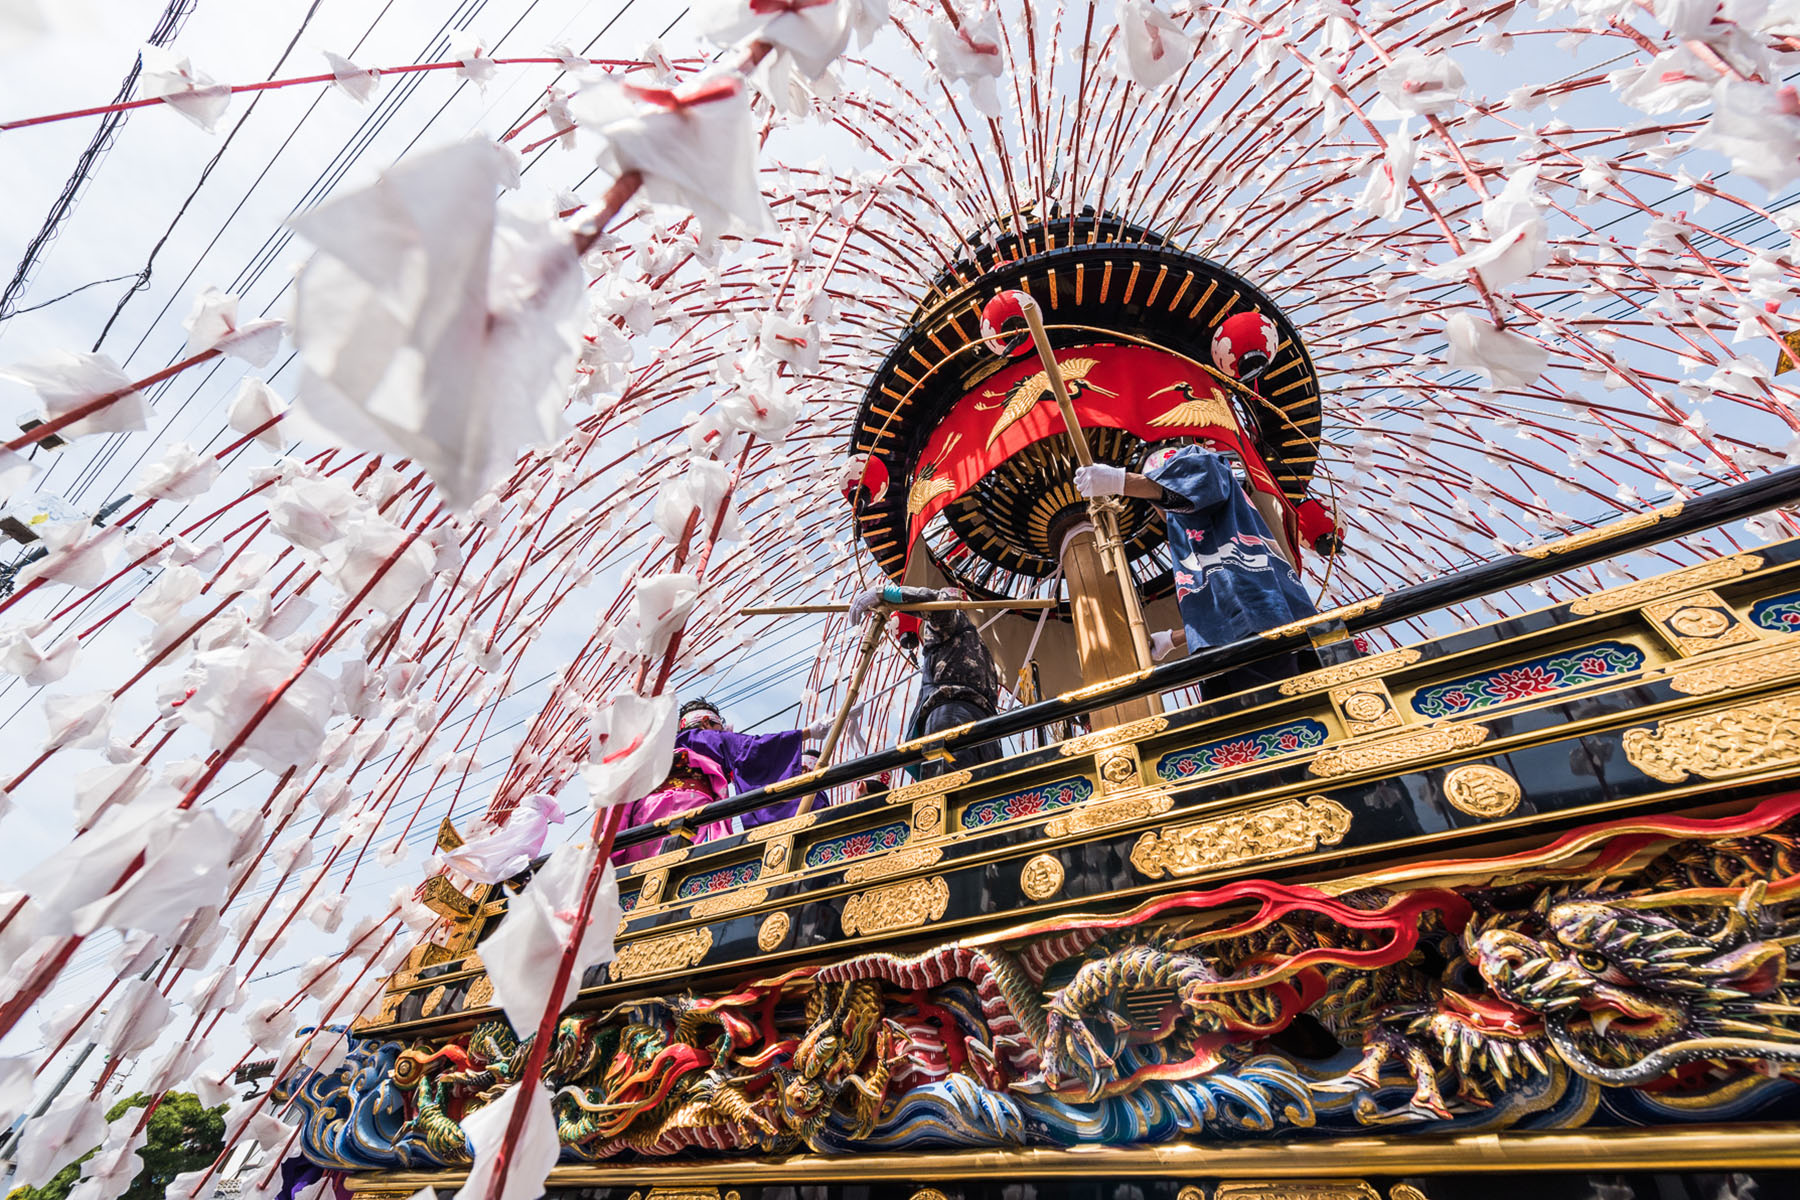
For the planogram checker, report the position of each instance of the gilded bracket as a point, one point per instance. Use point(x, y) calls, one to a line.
point(1698, 623)
point(1279, 830)
point(1720, 745)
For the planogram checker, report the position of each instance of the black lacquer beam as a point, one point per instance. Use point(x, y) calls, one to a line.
point(1629, 534)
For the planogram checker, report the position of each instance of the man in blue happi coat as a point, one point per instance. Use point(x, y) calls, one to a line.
point(1233, 577)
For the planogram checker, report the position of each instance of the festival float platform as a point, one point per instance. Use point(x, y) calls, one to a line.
point(1512, 900)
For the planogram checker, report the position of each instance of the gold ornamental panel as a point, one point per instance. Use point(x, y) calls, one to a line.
point(1042, 877)
point(442, 897)
point(651, 891)
point(1279, 830)
point(1120, 769)
point(929, 1194)
point(1350, 672)
point(729, 902)
point(773, 931)
point(775, 854)
point(1387, 751)
point(1699, 623)
point(1118, 735)
point(897, 906)
point(928, 816)
point(782, 828)
point(646, 865)
point(1365, 707)
point(653, 956)
point(1720, 745)
point(1106, 813)
point(1635, 595)
point(937, 785)
point(1482, 791)
point(897, 862)
point(683, 1193)
point(1744, 671)
point(1297, 1189)
point(480, 992)
point(433, 998)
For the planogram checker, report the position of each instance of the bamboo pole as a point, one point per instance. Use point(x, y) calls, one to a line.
point(1104, 517)
point(876, 622)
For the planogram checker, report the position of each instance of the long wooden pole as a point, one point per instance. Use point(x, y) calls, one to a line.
point(1105, 520)
point(876, 622)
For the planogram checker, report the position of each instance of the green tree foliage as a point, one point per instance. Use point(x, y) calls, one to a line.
point(183, 1136)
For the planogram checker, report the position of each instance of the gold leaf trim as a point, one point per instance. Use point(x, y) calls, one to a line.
point(671, 952)
point(1482, 791)
point(897, 906)
point(1130, 731)
point(781, 828)
point(1042, 877)
point(442, 897)
point(898, 862)
point(644, 866)
point(937, 785)
point(1748, 670)
point(940, 735)
point(1297, 1189)
point(1108, 813)
point(1603, 533)
point(1720, 745)
point(1631, 595)
point(1355, 608)
point(447, 837)
point(728, 902)
point(1279, 830)
point(773, 931)
point(1094, 689)
point(1396, 749)
point(1350, 672)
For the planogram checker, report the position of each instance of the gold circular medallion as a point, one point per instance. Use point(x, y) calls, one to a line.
point(1118, 768)
point(1364, 706)
point(1042, 877)
point(433, 998)
point(929, 1194)
point(1482, 791)
point(651, 892)
point(1699, 622)
point(1190, 1192)
point(480, 992)
point(775, 857)
point(773, 931)
point(926, 818)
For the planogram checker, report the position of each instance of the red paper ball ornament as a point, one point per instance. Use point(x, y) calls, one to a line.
point(1245, 344)
point(1004, 317)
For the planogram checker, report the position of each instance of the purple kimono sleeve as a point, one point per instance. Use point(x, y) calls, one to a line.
point(752, 761)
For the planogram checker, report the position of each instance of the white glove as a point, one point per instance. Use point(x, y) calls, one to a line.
point(817, 729)
point(1100, 479)
point(1162, 644)
point(863, 605)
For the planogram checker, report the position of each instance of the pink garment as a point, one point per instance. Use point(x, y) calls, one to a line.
point(679, 794)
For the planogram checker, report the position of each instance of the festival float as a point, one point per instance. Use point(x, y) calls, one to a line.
point(1484, 889)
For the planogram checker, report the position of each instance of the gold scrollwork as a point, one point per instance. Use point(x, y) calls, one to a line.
point(1396, 749)
point(782, 828)
point(1278, 830)
point(1130, 731)
point(897, 906)
point(1481, 790)
point(1350, 672)
point(729, 902)
point(928, 816)
point(1297, 1189)
point(937, 785)
point(671, 952)
point(1748, 670)
point(1107, 813)
point(1720, 745)
point(1634, 595)
point(644, 866)
point(480, 992)
point(1041, 877)
point(1343, 612)
point(898, 862)
point(1698, 623)
point(1603, 533)
point(684, 1193)
point(773, 931)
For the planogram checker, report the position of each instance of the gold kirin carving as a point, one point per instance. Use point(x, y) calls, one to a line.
point(1344, 612)
point(644, 866)
point(1107, 813)
point(1634, 595)
point(1746, 671)
point(1698, 622)
point(937, 785)
point(1130, 731)
point(1041, 877)
point(898, 862)
point(1396, 749)
point(773, 931)
point(1358, 668)
point(1278, 830)
point(1720, 745)
point(897, 906)
point(728, 902)
point(781, 828)
point(653, 956)
point(1481, 790)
